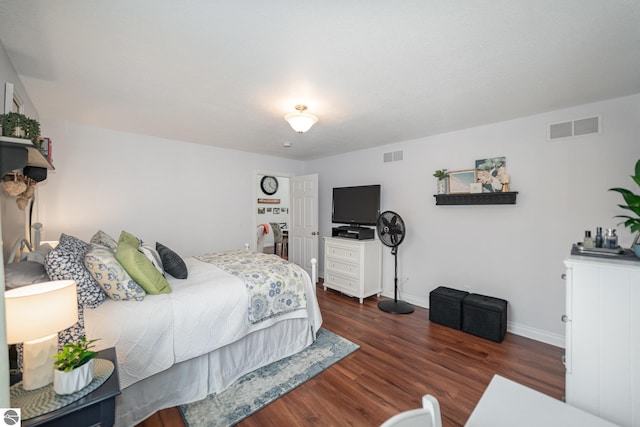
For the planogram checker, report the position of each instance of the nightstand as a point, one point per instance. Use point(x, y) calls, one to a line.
point(96, 408)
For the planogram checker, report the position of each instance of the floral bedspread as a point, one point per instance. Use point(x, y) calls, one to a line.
point(274, 285)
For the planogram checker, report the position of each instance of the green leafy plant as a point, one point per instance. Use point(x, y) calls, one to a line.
point(30, 127)
point(75, 354)
point(633, 203)
point(441, 174)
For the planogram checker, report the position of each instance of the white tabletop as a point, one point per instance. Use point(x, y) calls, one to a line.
point(507, 403)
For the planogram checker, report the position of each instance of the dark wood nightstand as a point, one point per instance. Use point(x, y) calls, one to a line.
point(96, 408)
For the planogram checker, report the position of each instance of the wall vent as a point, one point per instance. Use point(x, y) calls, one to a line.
point(588, 126)
point(394, 156)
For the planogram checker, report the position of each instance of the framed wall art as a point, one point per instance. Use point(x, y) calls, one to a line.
point(460, 181)
point(490, 172)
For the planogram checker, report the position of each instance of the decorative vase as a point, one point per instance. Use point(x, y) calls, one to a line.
point(72, 381)
point(443, 186)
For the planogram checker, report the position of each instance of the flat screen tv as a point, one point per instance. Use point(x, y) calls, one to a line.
point(356, 205)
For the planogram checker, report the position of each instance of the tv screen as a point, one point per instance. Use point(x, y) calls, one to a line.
point(356, 205)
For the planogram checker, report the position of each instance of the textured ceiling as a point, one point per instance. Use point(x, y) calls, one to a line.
point(225, 73)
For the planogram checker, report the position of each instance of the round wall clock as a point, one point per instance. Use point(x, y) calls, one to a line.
point(269, 185)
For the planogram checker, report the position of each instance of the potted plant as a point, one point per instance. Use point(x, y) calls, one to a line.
point(442, 176)
point(633, 204)
point(73, 366)
point(20, 126)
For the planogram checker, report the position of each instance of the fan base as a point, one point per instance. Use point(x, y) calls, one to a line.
point(395, 307)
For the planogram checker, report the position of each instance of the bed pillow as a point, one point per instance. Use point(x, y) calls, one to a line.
point(24, 273)
point(171, 262)
point(66, 262)
point(102, 238)
point(110, 275)
point(140, 268)
point(129, 238)
point(153, 256)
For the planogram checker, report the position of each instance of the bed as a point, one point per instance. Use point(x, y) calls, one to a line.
point(233, 313)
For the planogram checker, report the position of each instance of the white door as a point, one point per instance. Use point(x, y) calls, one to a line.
point(303, 230)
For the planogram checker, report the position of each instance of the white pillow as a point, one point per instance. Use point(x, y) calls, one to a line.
point(153, 256)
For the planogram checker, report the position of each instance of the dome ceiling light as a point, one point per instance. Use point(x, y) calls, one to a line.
point(301, 121)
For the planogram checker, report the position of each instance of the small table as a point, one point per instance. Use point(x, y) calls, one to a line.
point(96, 408)
point(507, 403)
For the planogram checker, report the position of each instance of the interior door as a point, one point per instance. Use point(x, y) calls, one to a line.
point(303, 232)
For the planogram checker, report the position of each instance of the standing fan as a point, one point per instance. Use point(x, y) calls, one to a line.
point(391, 232)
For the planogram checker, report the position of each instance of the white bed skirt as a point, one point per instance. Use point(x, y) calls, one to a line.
point(195, 379)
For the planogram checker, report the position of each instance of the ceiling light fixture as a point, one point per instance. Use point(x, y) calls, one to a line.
point(301, 121)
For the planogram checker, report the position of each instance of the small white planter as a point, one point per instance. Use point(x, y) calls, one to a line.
point(77, 379)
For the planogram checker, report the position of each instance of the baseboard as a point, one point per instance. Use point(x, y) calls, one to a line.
point(514, 328)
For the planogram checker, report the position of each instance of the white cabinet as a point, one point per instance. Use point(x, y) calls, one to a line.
point(602, 353)
point(353, 266)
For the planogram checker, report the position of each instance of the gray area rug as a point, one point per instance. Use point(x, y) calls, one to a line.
point(257, 389)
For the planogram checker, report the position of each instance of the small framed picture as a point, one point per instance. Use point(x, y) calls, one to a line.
point(460, 181)
point(276, 211)
point(490, 173)
point(260, 211)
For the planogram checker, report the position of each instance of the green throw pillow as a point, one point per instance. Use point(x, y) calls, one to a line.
point(139, 267)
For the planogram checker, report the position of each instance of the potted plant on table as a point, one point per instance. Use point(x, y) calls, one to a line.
point(633, 204)
point(73, 366)
point(442, 176)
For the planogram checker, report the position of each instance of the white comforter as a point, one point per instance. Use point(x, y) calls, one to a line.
point(204, 312)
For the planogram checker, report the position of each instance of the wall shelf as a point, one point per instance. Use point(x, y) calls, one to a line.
point(507, 198)
point(34, 156)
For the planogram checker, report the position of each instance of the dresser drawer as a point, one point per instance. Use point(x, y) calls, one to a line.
point(342, 283)
point(344, 253)
point(343, 268)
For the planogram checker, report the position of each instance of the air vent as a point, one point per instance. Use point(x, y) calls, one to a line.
point(588, 126)
point(392, 157)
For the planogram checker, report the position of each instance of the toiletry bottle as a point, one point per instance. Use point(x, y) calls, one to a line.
point(613, 240)
point(598, 237)
point(610, 239)
point(588, 240)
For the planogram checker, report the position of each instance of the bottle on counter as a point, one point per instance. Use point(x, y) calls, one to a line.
point(588, 242)
point(610, 239)
point(598, 239)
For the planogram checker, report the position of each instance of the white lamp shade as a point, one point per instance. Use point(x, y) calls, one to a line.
point(39, 310)
point(301, 122)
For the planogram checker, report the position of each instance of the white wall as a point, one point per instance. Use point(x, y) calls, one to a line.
point(513, 252)
point(192, 198)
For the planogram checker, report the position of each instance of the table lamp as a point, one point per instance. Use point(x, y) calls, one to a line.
point(34, 315)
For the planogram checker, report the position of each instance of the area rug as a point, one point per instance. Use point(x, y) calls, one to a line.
point(257, 389)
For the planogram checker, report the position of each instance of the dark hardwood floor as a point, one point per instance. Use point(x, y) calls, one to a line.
point(401, 358)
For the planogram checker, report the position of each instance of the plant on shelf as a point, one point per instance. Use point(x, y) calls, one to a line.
point(73, 366)
point(442, 176)
point(20, 126)
point(633, 204)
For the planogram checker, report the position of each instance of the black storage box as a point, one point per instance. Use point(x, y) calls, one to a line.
point(485, 317)
point(445, 306)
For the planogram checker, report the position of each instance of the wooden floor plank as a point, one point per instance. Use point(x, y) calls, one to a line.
point(401, 358)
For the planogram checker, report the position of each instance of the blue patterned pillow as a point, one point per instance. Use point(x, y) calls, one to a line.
point(110, 275)
point(102, 238)
point(66, 262)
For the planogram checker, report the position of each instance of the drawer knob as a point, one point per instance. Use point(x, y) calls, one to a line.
point(564, 318)
point(564, 276)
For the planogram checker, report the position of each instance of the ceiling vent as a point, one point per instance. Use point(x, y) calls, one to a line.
point(588, 126)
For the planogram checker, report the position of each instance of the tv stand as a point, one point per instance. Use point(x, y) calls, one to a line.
point(353, 232)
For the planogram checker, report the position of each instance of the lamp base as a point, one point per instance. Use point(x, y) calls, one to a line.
point(395, 307)
point(37, 361)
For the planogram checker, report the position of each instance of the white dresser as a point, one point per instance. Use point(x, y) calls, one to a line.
point(353, 267)
point(602, 353)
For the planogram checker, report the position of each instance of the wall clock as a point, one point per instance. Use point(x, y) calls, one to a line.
point(269, 185)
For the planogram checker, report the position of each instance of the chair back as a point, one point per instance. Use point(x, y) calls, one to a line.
point(277, 232)
point(427, 416)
